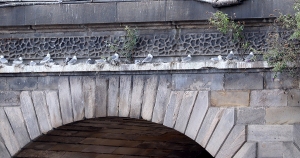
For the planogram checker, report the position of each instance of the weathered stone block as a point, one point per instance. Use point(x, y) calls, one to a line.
point(233, 143)
point(198, 113)
point(54, 108)
point(3, 150)
point(41, 109)
point(8, 135)
point(230, 98)
point(89, 87)
point(22, 83)
point(293, 97)
point(274, 97)
point(270, 149)
point(221, 132)
point(150, 89)
point(137, 96)
point(211, 120)
point(29, 115)
point(197, 81)
point(282, 81)
point(147, 11)
point(248, 150)
point(267, 133)
point(185, 110)
point(65, 100)
point(290, 150)
point(3, 86)
point(113, 96)
point(125, 95)
point(101, 96)
point(251, 116)
point(48, 83)
point(296, 134)
point(244, 81)
point(15, 117)
point(283, 115)
point(9, 98)
point(77, 97)
point(173, 108)
point(162, 98)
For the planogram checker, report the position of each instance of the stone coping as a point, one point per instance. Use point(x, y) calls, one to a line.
point(105, 67)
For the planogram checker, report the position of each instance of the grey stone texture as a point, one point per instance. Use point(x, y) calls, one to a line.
point(29, 115)
point(48, 82)
point(230, 98)
point(248, 150)
point(270, 149)
point(41, 109)
point(221, 132)
point(290, 150)
point(162, 98)
point(282, 81)
point(185, 110)
point(3, 150)
point(22, 83)
point(150, 89)
point(267, 133)
point(282, 115)
point(197, 81)
point(113, 96)
point(101, 96)
point(9, 98)
point(233, 142)
point(296, 134)
point(3, 86)
point(244, 81)
point(137, 96)
point(64, 95)
point(77, 97)
point(274, 97)
point(249, 115)
point(125, 95)
point(8, 134)
point(209, 124)
point(54, 108)
point(172, 109)
point(16, 120)
point(293, 97)
point(89, 96)
point(198, 113)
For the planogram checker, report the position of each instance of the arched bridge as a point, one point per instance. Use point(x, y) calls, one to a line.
point(228, 111)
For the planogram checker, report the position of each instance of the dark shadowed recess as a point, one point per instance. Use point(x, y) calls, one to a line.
point(113, 137)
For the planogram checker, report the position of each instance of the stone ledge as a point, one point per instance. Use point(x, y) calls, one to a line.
point(81, 67)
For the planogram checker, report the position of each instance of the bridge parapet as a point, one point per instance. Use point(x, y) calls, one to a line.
point(229, 111)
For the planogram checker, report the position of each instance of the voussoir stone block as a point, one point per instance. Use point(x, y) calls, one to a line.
point(248, 150)
point(162, 98)
point(9, 98)
point(173, 108)
point(197, 81)
point(186, 107)
point(22, 83)
point(296, 134)
point(274, 97)
point(270, 149)
point(198, 113)
point(54, 108)
point(290, 150)
point(125, 95)
point(251, 115)
point(233, 143)
point(65, 100)
point(101, 96)
point(150, 89)
point(230, 98)
point(113, 96)
point(266, 133)
point(89, 87)
point(137, 96)
point(3, 150)
point(77, 97)
point(294, 97)
point(243, 81)
point(283, 115)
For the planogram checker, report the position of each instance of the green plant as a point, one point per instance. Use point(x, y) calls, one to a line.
point(283, 50)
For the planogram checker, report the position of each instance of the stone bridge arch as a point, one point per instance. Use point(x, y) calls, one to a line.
point(230, 114)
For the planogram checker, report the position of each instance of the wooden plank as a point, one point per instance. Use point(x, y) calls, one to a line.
point(17, 123)
point(101, 96)
point(41, 109)
point(7, 134)
point(137, 96)
point(29, 114)
point(125, 95)
point(54, 108)
point(65, 100)
point(89, 87)
point(113, 96)
point(77, 97)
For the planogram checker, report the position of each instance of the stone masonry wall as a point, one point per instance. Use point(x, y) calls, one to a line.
point(230, 113)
